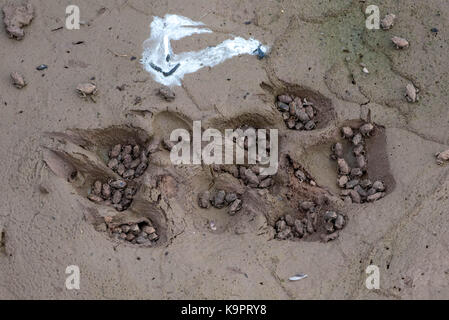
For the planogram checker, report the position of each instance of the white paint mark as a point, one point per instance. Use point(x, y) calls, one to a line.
point(169, 68)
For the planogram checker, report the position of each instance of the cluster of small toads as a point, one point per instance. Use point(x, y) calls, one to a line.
point(298, 114)
point(288, 227)
point(357, 188)
point(220, 199)
point(129, 161)
point(142, 233)
point(114, 193)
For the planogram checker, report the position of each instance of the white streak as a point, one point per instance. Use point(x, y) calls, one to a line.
point(158, 57)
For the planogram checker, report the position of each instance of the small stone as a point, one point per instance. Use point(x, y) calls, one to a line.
point(167, 93)
point(388, 21)
point(378, 185)
point(400, 43)
point(285, 116)
point(347, 132)
point(17, 80)
point(127, 149)
point(118, 184)
point(285, 98)
point(218, 200)
point(203, 200)
point(235, 206)
point(125, 228)
point(115, 151)
point(343, 167)
point(339, 222)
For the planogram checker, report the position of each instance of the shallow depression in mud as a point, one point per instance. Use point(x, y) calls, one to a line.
point(300, 106)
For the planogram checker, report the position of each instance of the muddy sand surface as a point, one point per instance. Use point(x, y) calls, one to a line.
point(57, 145)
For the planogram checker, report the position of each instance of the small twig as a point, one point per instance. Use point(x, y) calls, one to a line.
point(118, 55)
point(56, 29)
